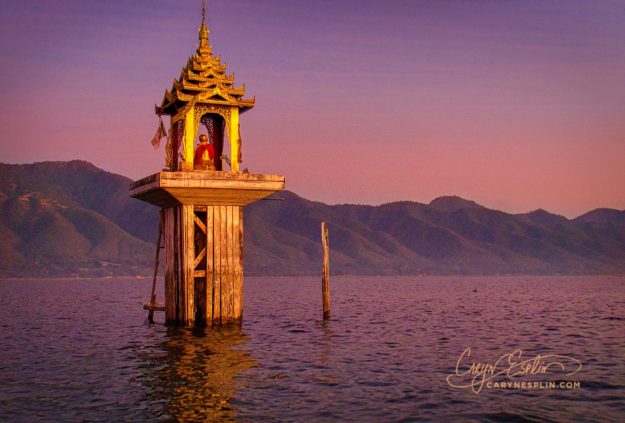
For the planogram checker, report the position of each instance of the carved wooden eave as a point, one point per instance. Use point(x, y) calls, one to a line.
point(204, 76)
point(185, 98)
point(205, 80)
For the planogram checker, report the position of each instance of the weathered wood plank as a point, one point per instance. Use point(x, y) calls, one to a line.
point(156, 264)
point(154, 307)
point(237, 229)
point(217, 265)
point(199, 223)
point(181, 308)
point(180, 286)
point(241, 236)
point(188, 228)
point(225, 271)
point(199, 258)
point(170, 287)
point(230, 257)
point(209, 265)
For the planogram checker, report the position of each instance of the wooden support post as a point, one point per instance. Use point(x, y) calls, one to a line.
point(210, 272)
point(188, 259)
point(169, 227)
point(203, 282)
point(225, 271)
point(227, 288)
point(217, 266)
point(325, 277)
point(179, 266)
point(156, 263)
point(237, 229)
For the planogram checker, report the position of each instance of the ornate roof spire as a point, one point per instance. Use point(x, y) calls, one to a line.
point(204, 80)
point(204, 46)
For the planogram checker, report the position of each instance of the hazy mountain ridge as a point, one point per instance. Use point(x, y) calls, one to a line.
point(454, 236)
point(71, 218)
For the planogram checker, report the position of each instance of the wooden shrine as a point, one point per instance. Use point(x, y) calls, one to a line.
point(201, 198)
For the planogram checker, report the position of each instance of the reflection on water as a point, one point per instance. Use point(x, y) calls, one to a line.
point(194, 372)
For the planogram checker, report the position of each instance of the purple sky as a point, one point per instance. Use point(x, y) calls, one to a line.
point(514, 104)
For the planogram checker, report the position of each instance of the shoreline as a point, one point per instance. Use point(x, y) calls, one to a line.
point(486, 275)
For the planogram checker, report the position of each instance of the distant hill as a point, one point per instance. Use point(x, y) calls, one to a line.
point(603, 217)
point(453, 203)
point(71, 218)
point(449, 236)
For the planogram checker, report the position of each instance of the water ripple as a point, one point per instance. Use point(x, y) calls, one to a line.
point(79, 350)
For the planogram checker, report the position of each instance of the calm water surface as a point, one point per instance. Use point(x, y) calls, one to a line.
point(76, 350)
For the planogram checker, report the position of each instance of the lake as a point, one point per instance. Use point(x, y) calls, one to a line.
point(76, 350)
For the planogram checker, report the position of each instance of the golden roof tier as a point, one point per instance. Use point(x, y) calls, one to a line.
point(204, 81)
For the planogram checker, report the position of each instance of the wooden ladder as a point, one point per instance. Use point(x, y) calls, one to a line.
point(152, 306)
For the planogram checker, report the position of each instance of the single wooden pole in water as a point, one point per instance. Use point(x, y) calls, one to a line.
point(325, 277)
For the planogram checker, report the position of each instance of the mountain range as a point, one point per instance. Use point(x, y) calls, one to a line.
point(73, 219)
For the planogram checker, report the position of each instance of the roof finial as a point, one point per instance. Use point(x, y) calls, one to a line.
point(204, 46)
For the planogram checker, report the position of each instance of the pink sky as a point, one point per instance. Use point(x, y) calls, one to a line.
point(516, 105)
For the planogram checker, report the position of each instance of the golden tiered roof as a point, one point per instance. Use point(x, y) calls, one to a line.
point(204, 80)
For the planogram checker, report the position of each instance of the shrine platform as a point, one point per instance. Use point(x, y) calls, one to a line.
point(202, 187)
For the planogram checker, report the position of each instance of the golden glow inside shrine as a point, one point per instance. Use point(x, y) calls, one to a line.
point(201, 193)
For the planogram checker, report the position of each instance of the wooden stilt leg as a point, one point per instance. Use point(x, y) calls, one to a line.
point(156, 263)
